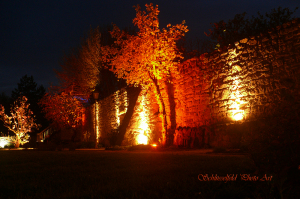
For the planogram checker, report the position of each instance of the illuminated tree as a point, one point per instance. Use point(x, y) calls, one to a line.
point(80, 70)
point(149, 57)
point(28, 87)
point(20, 122)
point(63, 109)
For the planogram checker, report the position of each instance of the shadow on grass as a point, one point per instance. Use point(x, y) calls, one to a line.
point(122, 174)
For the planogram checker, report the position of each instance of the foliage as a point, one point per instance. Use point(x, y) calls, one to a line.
point(21, 120)
point(63, 109)
point(80, 70)
point(149, 57)
point(240, 27)
point(29, 88)
point(194, 47)
point(149, 54)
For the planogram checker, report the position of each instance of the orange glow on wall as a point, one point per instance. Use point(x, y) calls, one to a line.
point(97, 122)
point(142, 139)
point(235, 108)
point(143, 128)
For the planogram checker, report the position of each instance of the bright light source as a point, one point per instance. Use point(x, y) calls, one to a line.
point(154, 145)
point(238, 116)
point(236, 96)
point(4, 141)
point(142, 139)
point(143, 127)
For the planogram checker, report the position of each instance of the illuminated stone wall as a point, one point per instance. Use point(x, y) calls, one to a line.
point(215, 91)
point(191, 95)
point(145, 121)
point(242, 83)
point(259, 71)
point(110, 113)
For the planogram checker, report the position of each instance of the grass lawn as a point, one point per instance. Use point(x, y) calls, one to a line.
point(121, 174)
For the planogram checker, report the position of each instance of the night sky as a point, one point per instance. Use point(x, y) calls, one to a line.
point(35, 35)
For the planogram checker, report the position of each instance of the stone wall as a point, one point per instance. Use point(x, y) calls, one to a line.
point(260, 71)
point(191, 95)
point(217, 92)
point(145, 120)
point(246, 81)
point(110, 112)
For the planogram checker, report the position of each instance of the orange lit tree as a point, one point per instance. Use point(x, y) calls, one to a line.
point(20, 122)
point(80, 69)
point(78, 78)
point(149, 57)
point(63, 109)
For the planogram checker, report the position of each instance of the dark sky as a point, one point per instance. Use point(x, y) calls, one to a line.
point(35, 34)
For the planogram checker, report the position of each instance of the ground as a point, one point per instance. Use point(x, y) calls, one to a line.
point(122, 174)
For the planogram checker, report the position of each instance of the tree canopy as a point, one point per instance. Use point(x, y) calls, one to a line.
point(240, 27)
point(80, 69)
point(21, 120)
point(63, 109)
point(29, 88)
point(149, 57)
point(151, 53)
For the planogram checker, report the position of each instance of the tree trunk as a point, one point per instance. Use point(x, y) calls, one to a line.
point(17, 142)
point(171, 130)
point(163, 110)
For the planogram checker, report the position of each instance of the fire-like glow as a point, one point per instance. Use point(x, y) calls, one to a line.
point(117, 107)
point(154, 145)
point(97, 122)
point(142, 139)
point(119, 99)
point(237, 113)
point(4, 141)
point(143, 128)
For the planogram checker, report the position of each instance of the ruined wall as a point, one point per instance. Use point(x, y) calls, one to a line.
point(191, 95)
point(145, 121)
point(240, 83)
point(110, 112)
point(257, 74)
point(215, 91)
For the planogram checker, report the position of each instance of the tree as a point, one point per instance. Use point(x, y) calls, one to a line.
point(63, 109)
point(83, 69)
point(21, 120)
point(80, 69)
point(29, 88)
point(241, 27)
point(148, 58)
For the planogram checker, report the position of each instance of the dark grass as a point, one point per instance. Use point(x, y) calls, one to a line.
point(120, 174)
